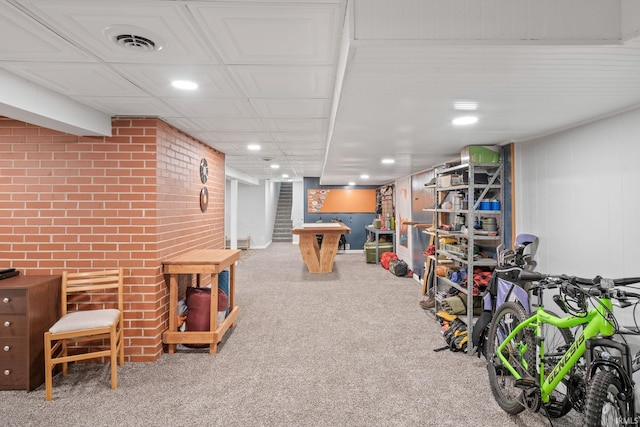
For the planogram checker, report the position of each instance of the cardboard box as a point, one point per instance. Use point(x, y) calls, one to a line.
point(480, 154)
point(450, 180)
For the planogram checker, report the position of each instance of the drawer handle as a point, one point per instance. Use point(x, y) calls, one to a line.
point(7, 348)
point(7, 372)
point(6, 300)
point(7, 323)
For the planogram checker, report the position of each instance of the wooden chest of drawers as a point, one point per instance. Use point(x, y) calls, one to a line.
point(29, 305)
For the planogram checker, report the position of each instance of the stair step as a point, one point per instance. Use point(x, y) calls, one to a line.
point(283, 224)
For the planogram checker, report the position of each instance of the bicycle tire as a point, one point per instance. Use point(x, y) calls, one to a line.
point(556, 342)
point(502, 383)
point(604, 408)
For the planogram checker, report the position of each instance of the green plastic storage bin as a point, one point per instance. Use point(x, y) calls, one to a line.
point(370, 250)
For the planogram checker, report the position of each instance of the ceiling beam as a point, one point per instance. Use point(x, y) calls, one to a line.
point(31, 103)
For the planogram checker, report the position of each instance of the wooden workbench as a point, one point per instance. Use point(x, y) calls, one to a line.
point(319, 259)
point(201, 261)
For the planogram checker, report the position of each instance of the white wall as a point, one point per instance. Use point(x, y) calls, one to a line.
point(271, 194)
point(403, 198)
point(629, 19)
point(297, 207)
point(256, 211)
point(579, 192)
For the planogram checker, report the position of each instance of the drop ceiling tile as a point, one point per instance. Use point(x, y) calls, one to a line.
point(84, 23)
point(156, 79)
point(285, 82)
point(228, 125)
point(129, 106)
point(296, 125)
point(246, 137)
point(75, 79)
point(275, 108)
point(271, 33)
point(212, 107)
point(25, 39)
point(315, 153)
point(236, 148)
point(300, 147)
point(299, 136)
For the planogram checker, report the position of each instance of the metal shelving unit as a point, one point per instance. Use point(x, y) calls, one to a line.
point(448, 213)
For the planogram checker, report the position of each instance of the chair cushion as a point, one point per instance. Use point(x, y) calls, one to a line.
point(85, 320)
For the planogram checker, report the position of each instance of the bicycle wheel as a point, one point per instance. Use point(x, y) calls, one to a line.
point(604, 408)
point(520, 353)
point(556, 343)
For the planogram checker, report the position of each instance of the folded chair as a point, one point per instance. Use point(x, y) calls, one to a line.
point(92, 310)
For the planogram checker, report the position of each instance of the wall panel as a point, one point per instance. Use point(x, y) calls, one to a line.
point(578, 191)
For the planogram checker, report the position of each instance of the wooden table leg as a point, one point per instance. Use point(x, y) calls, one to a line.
point(213, 318)
point(328, 251)
point(310, 252)
point(232, 289)
point(173, 308)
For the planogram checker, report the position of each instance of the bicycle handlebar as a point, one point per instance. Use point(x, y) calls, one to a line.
point(598, 281)
point(596, 287)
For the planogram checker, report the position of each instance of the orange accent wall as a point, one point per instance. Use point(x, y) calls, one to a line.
point(79, 203)
point(341, 201)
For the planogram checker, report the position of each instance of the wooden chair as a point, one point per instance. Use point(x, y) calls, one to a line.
point(97, 303)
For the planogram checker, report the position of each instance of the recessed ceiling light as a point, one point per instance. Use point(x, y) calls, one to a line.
point(465, 105)
point(184, 84)
point(253, 147)
point(351, 184)
point(464, 120)
point(285, 175)
point(388, 161)
point(275, 166)
point(364, 176)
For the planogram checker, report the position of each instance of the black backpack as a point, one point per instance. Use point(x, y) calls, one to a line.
point(398, 267)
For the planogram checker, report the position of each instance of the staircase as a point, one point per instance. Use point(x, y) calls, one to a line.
point(283, 224)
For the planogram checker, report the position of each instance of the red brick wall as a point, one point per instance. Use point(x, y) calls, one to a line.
point(78, 203)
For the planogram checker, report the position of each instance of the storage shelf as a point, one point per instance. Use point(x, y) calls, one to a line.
point(479, 212)
point(478, 235)
point(466, 187)
point(454, 188)
point(486, 237)
point(450, 233)
point(451, 283)
point(464, 166)
point(480, 262)
point(490, 190)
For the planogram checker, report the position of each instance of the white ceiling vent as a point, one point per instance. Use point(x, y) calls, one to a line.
point(133, 38)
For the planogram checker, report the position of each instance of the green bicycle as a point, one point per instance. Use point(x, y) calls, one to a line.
point(534, 362)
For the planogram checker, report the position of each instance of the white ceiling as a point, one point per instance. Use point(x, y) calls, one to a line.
point(327, 87)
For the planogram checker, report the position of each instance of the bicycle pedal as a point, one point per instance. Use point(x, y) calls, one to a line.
point(525, 383)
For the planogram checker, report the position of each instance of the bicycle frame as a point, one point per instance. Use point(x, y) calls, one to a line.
point(597, 324)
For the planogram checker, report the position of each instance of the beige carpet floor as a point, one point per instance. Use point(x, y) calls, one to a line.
point(348, 348)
